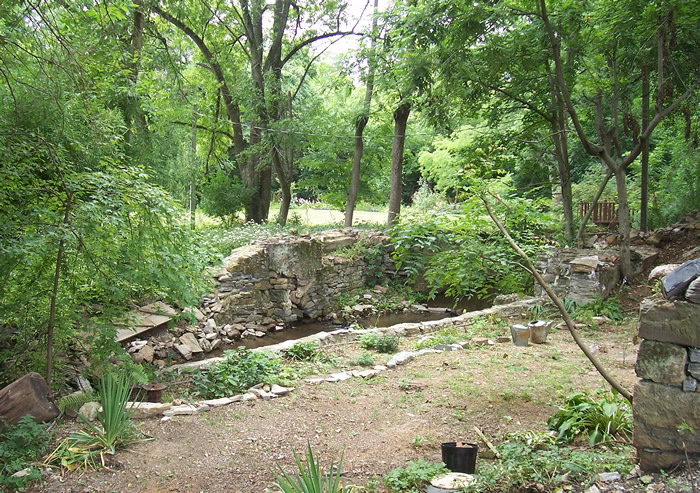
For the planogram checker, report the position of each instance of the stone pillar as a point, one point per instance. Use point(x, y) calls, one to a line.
point(666, 404)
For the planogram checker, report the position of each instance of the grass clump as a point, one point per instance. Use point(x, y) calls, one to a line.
point(114, 428)
point(309, 477)
point(302, 351)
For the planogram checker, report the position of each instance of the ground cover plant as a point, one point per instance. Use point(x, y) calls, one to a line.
point(21, 446)
point(240, 370)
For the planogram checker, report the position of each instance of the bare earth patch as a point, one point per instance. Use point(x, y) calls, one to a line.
point(380, 423)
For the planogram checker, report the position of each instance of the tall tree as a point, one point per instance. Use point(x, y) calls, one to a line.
point(361, 121)
point(608, 143)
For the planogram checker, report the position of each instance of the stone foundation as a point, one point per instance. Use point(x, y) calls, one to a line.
point(579, 275)
point(666, 404)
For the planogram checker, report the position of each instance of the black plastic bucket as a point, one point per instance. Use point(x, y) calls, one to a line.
point(460, 456)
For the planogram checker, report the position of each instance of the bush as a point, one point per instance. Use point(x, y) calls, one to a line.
point(20, 446)
point(464, 255)
point(240, 370)
point(383, 344)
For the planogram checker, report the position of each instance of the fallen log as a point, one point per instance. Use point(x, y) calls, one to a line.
point(29, 394)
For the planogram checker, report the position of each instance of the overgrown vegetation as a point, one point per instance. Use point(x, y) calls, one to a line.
point(21, 447)
point(240, 370)
point(463, 255)
point(380, 343)
point(530, 459)
point(601, 417)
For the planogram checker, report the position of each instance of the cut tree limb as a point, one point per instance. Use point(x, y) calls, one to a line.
point(27, 395)
point(557, 302)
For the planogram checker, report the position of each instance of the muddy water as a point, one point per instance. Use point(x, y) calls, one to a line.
point(378, 320)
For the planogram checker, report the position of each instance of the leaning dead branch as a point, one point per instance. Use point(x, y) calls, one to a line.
point(557, 302)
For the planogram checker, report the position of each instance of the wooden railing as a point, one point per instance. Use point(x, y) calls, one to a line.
point(604, 212)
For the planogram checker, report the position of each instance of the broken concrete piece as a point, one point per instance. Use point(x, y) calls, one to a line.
point(190, 340)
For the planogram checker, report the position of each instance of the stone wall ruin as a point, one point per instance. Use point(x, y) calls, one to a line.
point(666, 403)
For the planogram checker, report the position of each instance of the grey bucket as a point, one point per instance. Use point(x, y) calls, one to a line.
point(539, 329)
point(520, 334)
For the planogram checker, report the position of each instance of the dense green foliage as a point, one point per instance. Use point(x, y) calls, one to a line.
point(463, 254)
point(606, 416)
point(241, 370)
point(20, 446)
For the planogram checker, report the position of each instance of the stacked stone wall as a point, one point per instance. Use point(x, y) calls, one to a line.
point(666, 404)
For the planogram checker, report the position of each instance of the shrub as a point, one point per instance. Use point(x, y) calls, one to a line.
point(383, 344)
point(20, 445)
point(240, 370)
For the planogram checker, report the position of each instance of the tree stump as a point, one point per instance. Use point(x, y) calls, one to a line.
point(27, 395)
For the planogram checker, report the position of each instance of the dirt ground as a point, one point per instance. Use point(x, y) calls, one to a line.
point(378, 423)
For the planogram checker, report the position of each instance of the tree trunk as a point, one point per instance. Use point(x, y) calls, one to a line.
point(193, 188)
point(29, 394)
point(54, 291)
point(560, 137)
point(360, 125)
point(400, 123)
point(623, 217)
point(644, 201)
point(587, 216)
point(285, 185)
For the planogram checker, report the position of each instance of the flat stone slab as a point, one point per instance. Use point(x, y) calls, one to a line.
point(670, 321)
point(145, 410)
point(675, 283)
point(185, 410)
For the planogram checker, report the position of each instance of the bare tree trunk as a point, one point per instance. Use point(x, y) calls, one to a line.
point(54, 291)
point(193, 176)
point(644, 201)
point(285, 185)
point(587, 216)
point(560, 138)
point(623, 217)
point(360, 125)
point(400, 124)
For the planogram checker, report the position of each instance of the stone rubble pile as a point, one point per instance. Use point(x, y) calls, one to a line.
point(667, 400)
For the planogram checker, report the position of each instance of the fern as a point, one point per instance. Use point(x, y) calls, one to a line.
point(75, 400)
